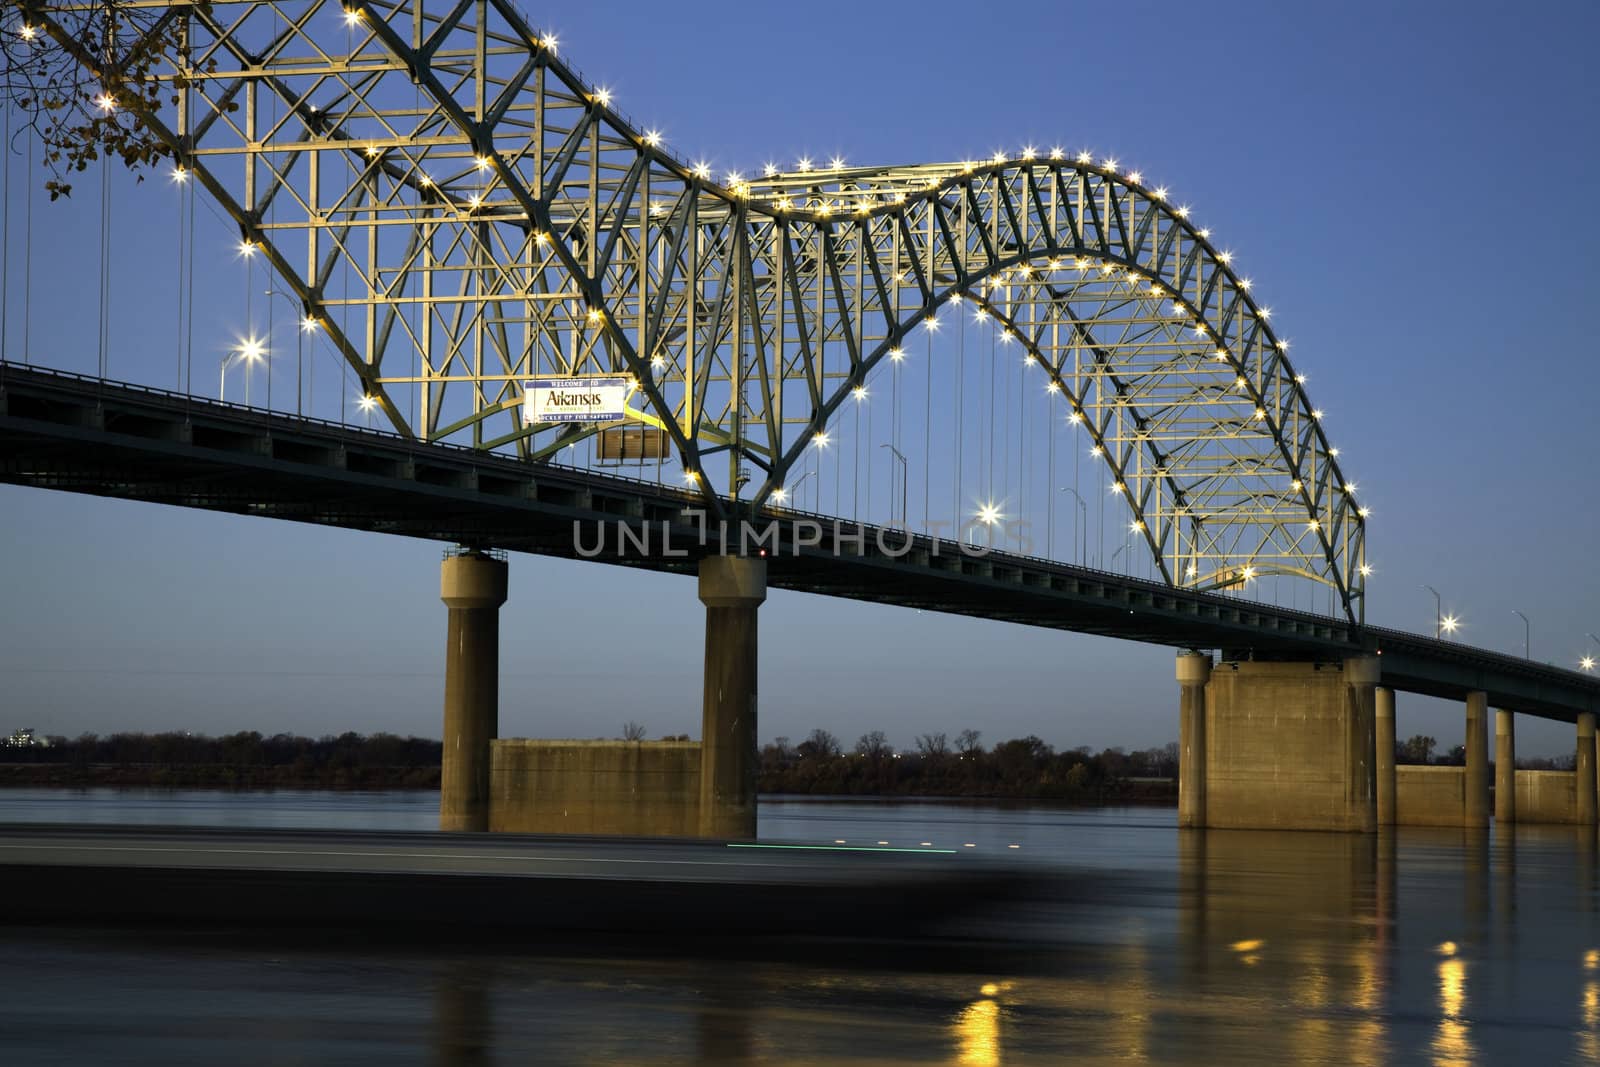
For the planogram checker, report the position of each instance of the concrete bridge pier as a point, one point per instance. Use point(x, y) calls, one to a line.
point(1361, 677)
point(473, 586)
point(732, 589)
point(1585, 768)
point(1194, 671)
point(1505, 768)
point(1383, 743)
point(1278, 744)
point(1475, 811)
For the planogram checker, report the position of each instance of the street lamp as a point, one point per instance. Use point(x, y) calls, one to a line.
point(1587, 662)
point(795, 488)
point(904, 478)
point(1083, 513)
point(1437, 611)
point(1527, 634)
point(307, 324)
point(250, 351)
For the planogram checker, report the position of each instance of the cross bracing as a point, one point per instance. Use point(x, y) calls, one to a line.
point(458, 211)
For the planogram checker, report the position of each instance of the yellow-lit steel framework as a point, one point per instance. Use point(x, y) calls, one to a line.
point(460, 210)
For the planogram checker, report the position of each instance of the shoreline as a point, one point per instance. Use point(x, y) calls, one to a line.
point(225, 778)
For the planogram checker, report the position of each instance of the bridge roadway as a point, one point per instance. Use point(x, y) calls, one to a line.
point(81, 434)
point(504, 881)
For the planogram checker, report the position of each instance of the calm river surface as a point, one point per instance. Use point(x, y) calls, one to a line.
point(1424, 946)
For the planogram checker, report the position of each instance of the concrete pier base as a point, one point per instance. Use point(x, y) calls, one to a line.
point(1475, 803)
point(633, 788)
point(1383, 743)
point(1290, 745)
point(732, 589)
point(1361, 676)
point(1194, 671)
point(473, 586)
point(1505, 768)
point(1585, 769)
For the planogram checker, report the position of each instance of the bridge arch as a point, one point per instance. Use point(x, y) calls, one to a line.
point(1190, 418)
point(520, 225)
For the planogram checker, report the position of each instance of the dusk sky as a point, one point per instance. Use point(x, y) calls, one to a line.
point(1407, 184)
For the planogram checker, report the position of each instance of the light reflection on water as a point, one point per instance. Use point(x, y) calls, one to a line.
point(978, 1033)
point(1420, 946)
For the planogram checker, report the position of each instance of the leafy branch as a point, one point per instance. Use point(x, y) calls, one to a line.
point(80, 76)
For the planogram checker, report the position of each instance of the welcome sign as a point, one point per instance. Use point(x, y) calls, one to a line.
point(597, 398)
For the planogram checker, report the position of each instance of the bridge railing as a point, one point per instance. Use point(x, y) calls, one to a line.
point(898, 535)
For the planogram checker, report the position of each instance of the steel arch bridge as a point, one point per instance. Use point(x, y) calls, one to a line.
point(458, 210)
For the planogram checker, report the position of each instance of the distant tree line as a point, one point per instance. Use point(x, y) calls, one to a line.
point(1418, 750)
point(241, 760)
point(1023, 767)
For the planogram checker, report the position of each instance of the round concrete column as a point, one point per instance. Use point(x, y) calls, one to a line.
point(1383, 742)
point(473, 586)
point(1361, 676)
point(1505, 768)
point(1194, 670)
point(1585, 766)
point(1475, 809)
point(732, 589)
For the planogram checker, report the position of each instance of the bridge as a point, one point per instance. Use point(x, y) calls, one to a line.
point(548, 311)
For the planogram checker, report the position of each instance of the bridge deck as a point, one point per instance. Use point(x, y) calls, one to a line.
point(68, 432)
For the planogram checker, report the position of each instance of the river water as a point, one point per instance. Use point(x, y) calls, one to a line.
point(1421, 946)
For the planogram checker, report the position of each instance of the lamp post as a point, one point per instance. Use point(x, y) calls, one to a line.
point(1083, 513)
point(248, 352)
point(795, 488)
point(904, 477)
point(1438, 610)
point(1527, 634)
point(1587, 662)
point(307, 324)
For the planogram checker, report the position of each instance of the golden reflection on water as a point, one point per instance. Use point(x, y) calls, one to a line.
point(1588, 1039)
point(1452, 1043)
point(977, 1033)
point(1313, 988)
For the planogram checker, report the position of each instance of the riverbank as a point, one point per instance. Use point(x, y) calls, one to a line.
point(1118, 792)
point(213, 776)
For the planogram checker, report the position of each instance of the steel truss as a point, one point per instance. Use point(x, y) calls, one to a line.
point(459, 211)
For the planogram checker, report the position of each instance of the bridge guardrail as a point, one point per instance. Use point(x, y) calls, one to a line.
point(1357, 636)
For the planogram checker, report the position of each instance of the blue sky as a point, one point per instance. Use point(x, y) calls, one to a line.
point(1405, 183)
